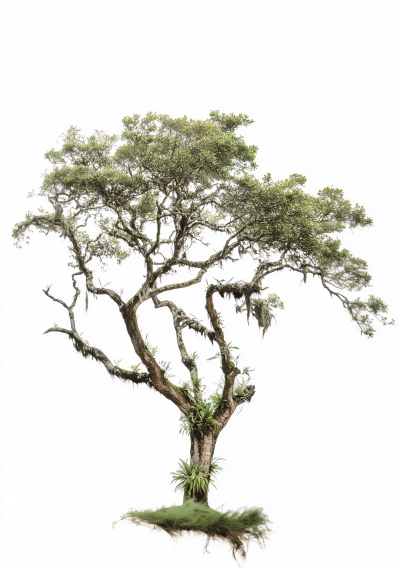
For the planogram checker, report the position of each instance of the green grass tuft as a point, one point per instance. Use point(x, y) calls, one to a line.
point(234, 527)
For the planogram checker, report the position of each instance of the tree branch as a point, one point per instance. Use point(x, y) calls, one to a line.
point(178, 315)
point(88, 351)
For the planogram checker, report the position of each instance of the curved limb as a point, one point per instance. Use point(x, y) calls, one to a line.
point(89, 351)
point(372, 305)
point(178, 315)
point(228, 367)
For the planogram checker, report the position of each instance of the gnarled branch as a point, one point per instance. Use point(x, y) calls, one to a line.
point(87, 350)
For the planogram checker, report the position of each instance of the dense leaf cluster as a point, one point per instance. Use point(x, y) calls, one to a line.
point(193, 478)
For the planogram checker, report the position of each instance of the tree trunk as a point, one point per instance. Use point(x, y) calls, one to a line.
point(201, 453)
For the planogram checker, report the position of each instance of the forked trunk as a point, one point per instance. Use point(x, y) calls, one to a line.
point(201, 453)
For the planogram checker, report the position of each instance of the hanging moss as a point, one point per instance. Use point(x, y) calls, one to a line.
point(86, 351)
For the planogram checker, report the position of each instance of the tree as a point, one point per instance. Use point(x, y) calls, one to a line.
point(155, 191)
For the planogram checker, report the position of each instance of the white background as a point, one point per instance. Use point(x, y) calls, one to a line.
point(318, 447)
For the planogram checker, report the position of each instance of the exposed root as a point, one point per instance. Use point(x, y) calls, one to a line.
point(236, 528)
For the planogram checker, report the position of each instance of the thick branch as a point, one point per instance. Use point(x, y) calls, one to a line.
point(157, 374)
point(146, 292)
point(229, 369)
point(189, 362)
point(213, 259)
point(198, 328)
point(89, 351)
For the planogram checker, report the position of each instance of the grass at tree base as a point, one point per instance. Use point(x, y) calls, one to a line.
point(235, 528)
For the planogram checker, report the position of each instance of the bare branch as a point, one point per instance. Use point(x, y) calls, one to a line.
point(179, 285)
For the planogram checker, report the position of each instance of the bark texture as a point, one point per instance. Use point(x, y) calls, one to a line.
point(202, 447)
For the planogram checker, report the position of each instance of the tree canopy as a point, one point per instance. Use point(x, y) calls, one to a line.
point(166, 184)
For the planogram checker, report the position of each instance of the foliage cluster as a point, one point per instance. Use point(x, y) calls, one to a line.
point(194, 176)
point(200, 415)
point(193, 478)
